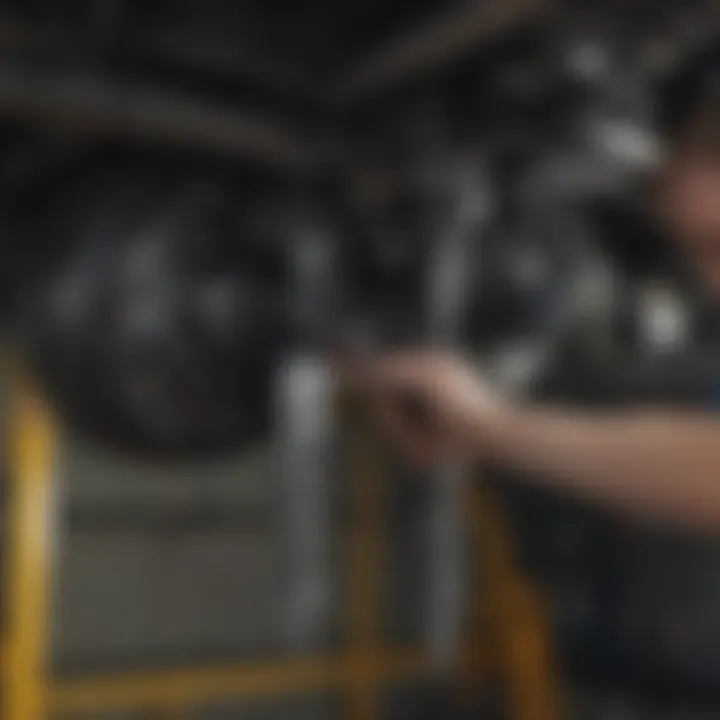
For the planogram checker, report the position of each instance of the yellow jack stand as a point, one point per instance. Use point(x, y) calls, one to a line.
point(508, 637)
point(30, 536)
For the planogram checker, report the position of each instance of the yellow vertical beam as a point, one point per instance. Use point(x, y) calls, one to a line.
point(480, 651)
point(513, 619)
point(534, 692)
point(365, 568)
point(29, 538)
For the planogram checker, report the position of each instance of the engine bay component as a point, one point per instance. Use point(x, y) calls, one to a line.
point(156, 317)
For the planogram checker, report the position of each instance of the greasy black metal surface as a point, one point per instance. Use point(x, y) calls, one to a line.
point(281, 47)
point(189, 384)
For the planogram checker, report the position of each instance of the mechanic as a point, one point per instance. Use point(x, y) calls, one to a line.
point(660, 464)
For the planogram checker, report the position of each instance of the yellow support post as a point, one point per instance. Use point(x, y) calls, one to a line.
point(529, 662)
point(514, 620)
point(29, 692)
point(480, 651)
point(365, 573)
point(29, 547)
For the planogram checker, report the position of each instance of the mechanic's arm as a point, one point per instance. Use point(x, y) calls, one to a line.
point(660, 464)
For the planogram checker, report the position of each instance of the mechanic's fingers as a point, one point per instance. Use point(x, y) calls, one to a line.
point(418, 443)
point(387, 371)
point(405, 371)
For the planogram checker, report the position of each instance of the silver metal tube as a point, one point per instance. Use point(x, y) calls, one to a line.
point(448, 288)
point(306, 452)
point(307, 440)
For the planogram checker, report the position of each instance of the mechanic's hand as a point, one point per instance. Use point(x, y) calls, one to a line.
point(430, 404)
